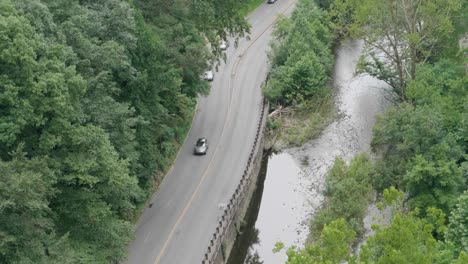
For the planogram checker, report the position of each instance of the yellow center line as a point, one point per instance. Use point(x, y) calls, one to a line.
point(205, 173)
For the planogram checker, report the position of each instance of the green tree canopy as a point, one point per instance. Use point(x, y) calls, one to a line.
point(26, 220)
point(400, 35)
point(333, 247)
point(458, 224)
point(302, 59)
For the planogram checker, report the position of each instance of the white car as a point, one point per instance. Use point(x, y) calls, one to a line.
point(201, 147)
point(223, 45)
point(209, 76)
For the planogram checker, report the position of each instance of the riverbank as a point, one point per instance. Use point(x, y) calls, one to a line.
point(298, 85)
point(295, 178)
point(292, 127)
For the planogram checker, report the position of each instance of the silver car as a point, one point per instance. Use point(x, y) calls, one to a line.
point(201, 147)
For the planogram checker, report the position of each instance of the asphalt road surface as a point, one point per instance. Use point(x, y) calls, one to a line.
point(177, 228)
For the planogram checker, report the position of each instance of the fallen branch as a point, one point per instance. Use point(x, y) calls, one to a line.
point(281, 110)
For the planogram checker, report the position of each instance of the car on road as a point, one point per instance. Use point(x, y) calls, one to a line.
point(271, 1)
point(209, 76)
point(201, 147)
point(223, 45)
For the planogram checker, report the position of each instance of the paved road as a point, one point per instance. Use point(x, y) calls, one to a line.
point(179, 225)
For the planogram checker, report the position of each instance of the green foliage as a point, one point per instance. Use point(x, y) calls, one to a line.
point(436, 218)
point(272, 124)
point(302, 59)
point(333, 246)
point(392, 196)
point(324, 3)
point(278, 247)
point(250, 6)
point(463, 258)
point(423, 144)
point(433, 184)
point(424, 147)
point(442, 86)
point(400, 36)
point(420, 155)
point(407, 240)
point(39, 92)
point(457, 232)
point(342, 14)
point(347, 194)
point(26, 221)
point(190, 20)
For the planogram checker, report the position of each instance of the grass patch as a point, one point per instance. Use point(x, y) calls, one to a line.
point(251, 6)
point(297, 125)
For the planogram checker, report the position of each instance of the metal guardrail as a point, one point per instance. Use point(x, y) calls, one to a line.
point(231, 207)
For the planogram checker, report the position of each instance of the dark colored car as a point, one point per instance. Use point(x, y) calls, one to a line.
point(201, 147)
point(271, 1)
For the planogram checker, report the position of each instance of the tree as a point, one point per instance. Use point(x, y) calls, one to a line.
point(43, 98)
point(423, 144)
point(95, 202)
point(40, 94)
point(219, 19)
point(408, 239)
point(421, 156)
point(400, 34)
point(340, 202)
point(458, 224)
point(301, 61)
point(333, 246)
point(26, 221)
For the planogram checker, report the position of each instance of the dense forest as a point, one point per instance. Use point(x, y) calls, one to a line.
point(95, 98)
point(420, 170)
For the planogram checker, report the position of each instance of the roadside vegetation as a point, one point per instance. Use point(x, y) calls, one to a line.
point(95, 99)
point(298, 89)
point(421, 170)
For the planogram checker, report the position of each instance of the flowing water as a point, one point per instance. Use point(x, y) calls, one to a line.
point(294, 179)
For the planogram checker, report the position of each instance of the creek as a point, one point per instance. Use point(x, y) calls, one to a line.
point(291, 182)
